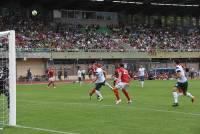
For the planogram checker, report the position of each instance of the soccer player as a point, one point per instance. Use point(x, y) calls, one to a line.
point(141, 73)
point(51, 75)
point(83, 74)
point(79, 74)
point(122, 83)
point(4, 74)
point(181, 86)
point(99, 81)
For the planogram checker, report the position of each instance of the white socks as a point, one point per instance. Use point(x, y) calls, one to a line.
point(175, 94)
point(189, 95)
point(98, 93)
point(142, 83)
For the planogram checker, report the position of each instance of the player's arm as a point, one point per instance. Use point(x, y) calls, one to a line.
point(104, 73)
point(96, 74)
point(129, 76)
point(119, 78)
point(95, 79)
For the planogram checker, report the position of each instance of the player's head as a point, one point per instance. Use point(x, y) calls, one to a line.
point(51, 68)
point(121, 65)
point(177, 62)
point(98, 65)
point(141, 66)
point(116, 66)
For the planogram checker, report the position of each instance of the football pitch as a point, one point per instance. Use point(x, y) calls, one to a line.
point(67, 109)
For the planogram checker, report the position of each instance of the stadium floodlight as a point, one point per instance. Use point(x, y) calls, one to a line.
point(176, 5)
point(128, 2)
point(7, 79)
point(97, 0)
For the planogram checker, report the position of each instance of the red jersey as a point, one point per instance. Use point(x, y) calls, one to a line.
point(116, 74)
point(124, 75)
point(50, 73)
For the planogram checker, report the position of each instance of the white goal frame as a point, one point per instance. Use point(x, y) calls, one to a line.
point(12, 76)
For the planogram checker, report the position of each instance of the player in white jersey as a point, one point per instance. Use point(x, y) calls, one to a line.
point(182, 84)
point(79, 74)
point(99, 81)
point(141, 73)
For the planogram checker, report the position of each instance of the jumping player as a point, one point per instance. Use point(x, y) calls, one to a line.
point(51, 75)
point(122, 83)
point(181, 86)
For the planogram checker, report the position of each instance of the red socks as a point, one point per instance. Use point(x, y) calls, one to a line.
point(93, 91)
point(116, 93)
point(126, 94)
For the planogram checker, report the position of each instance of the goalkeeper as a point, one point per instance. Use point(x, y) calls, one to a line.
point(4, 83)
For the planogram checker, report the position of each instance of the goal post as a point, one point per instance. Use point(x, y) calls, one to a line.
point(12, 78)
point(8, 78)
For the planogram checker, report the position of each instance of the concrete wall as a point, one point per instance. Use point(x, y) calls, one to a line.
point(37, 66)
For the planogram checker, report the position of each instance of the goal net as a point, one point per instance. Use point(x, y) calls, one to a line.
point(7, 79)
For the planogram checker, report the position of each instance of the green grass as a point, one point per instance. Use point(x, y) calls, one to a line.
point(67, 108)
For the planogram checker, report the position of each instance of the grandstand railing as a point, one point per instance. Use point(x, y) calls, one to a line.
point(103, 50)
point(106, 53)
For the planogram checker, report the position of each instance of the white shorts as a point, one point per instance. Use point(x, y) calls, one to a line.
point(51, 79)
point(122, 85)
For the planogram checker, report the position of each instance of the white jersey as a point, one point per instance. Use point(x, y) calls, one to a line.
point(79, 73)
point(100, 76)
point(83, 71)
point(183, 78)
point(141, 71)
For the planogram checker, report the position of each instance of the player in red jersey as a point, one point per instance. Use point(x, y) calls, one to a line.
point(122, 82)
point(51, 75)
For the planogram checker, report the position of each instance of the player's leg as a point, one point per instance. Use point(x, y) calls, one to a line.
point(107, 84)
point(185, 87)
point(175, 94)
point(116, 92)
point(141, 80)
point(98, 93)
point(92, 91)
point(53, 84)
point(50, 82)
point(124, 90)
point(79, 80)
point(6, 93)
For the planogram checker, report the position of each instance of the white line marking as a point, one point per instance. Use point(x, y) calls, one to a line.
point(43, 129)
point(88, 104)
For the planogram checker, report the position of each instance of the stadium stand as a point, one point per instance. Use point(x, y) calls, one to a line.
point(40, 38)
point(33, 35)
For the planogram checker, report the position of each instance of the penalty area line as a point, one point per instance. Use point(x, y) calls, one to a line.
point(44, 129)
point(114, 105)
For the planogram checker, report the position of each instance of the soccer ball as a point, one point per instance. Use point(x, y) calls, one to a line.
point(34, 12)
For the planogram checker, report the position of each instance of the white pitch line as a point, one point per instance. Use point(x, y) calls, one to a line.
point(88, 104)
point(44, 129)
point(168, 111)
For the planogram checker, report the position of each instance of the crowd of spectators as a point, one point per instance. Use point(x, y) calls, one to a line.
point(35, 34)
point(168, 39)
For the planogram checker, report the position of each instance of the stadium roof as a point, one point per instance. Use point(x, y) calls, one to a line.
point(164, 7)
